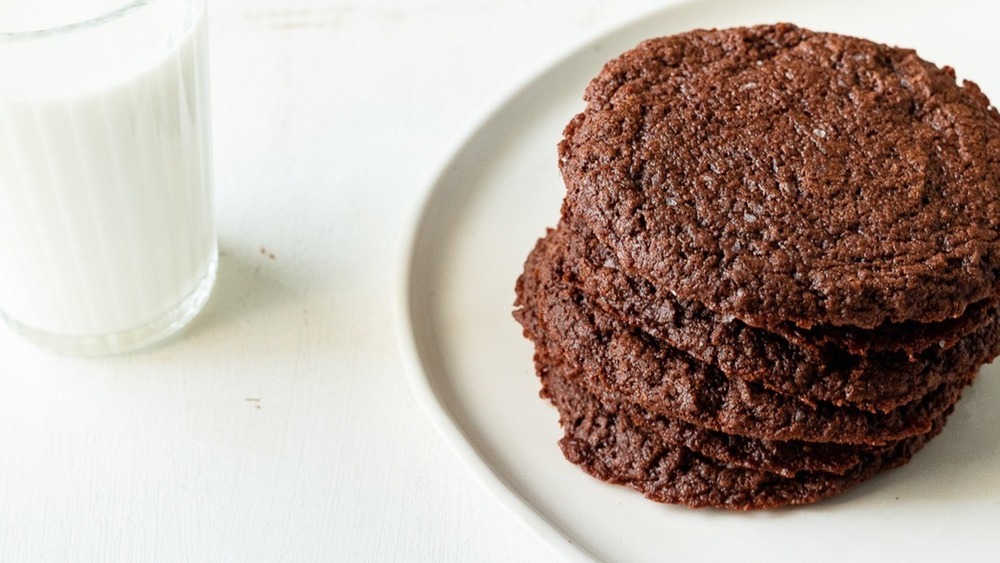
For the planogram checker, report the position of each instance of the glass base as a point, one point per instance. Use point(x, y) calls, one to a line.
point(130, 340)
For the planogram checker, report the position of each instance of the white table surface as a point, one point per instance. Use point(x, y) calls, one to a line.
point(280, 425)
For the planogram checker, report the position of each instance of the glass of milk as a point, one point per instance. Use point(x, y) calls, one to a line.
point(107, 241)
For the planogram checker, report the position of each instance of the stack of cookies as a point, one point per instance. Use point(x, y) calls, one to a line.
point(777, 266)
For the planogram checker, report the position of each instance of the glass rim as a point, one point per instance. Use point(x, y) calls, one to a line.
point(65, 29)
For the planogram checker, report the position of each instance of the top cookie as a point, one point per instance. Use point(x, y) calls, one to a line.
point(781, 175)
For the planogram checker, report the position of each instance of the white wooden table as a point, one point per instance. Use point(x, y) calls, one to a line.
point(280, 426)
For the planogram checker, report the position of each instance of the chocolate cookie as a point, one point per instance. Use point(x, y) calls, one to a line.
point(787, 458)
point(629, 448)
point(664, 380)
point(876, 370)
point(779, 175)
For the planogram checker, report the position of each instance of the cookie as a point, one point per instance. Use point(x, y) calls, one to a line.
point(779, 175)
point(627, 449)
point(563, 324)
point(871, 370)
point(787, 458)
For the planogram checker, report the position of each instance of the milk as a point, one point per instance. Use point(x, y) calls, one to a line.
point(106, 227)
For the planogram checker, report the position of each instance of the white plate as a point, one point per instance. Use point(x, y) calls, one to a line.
point(472, 371)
